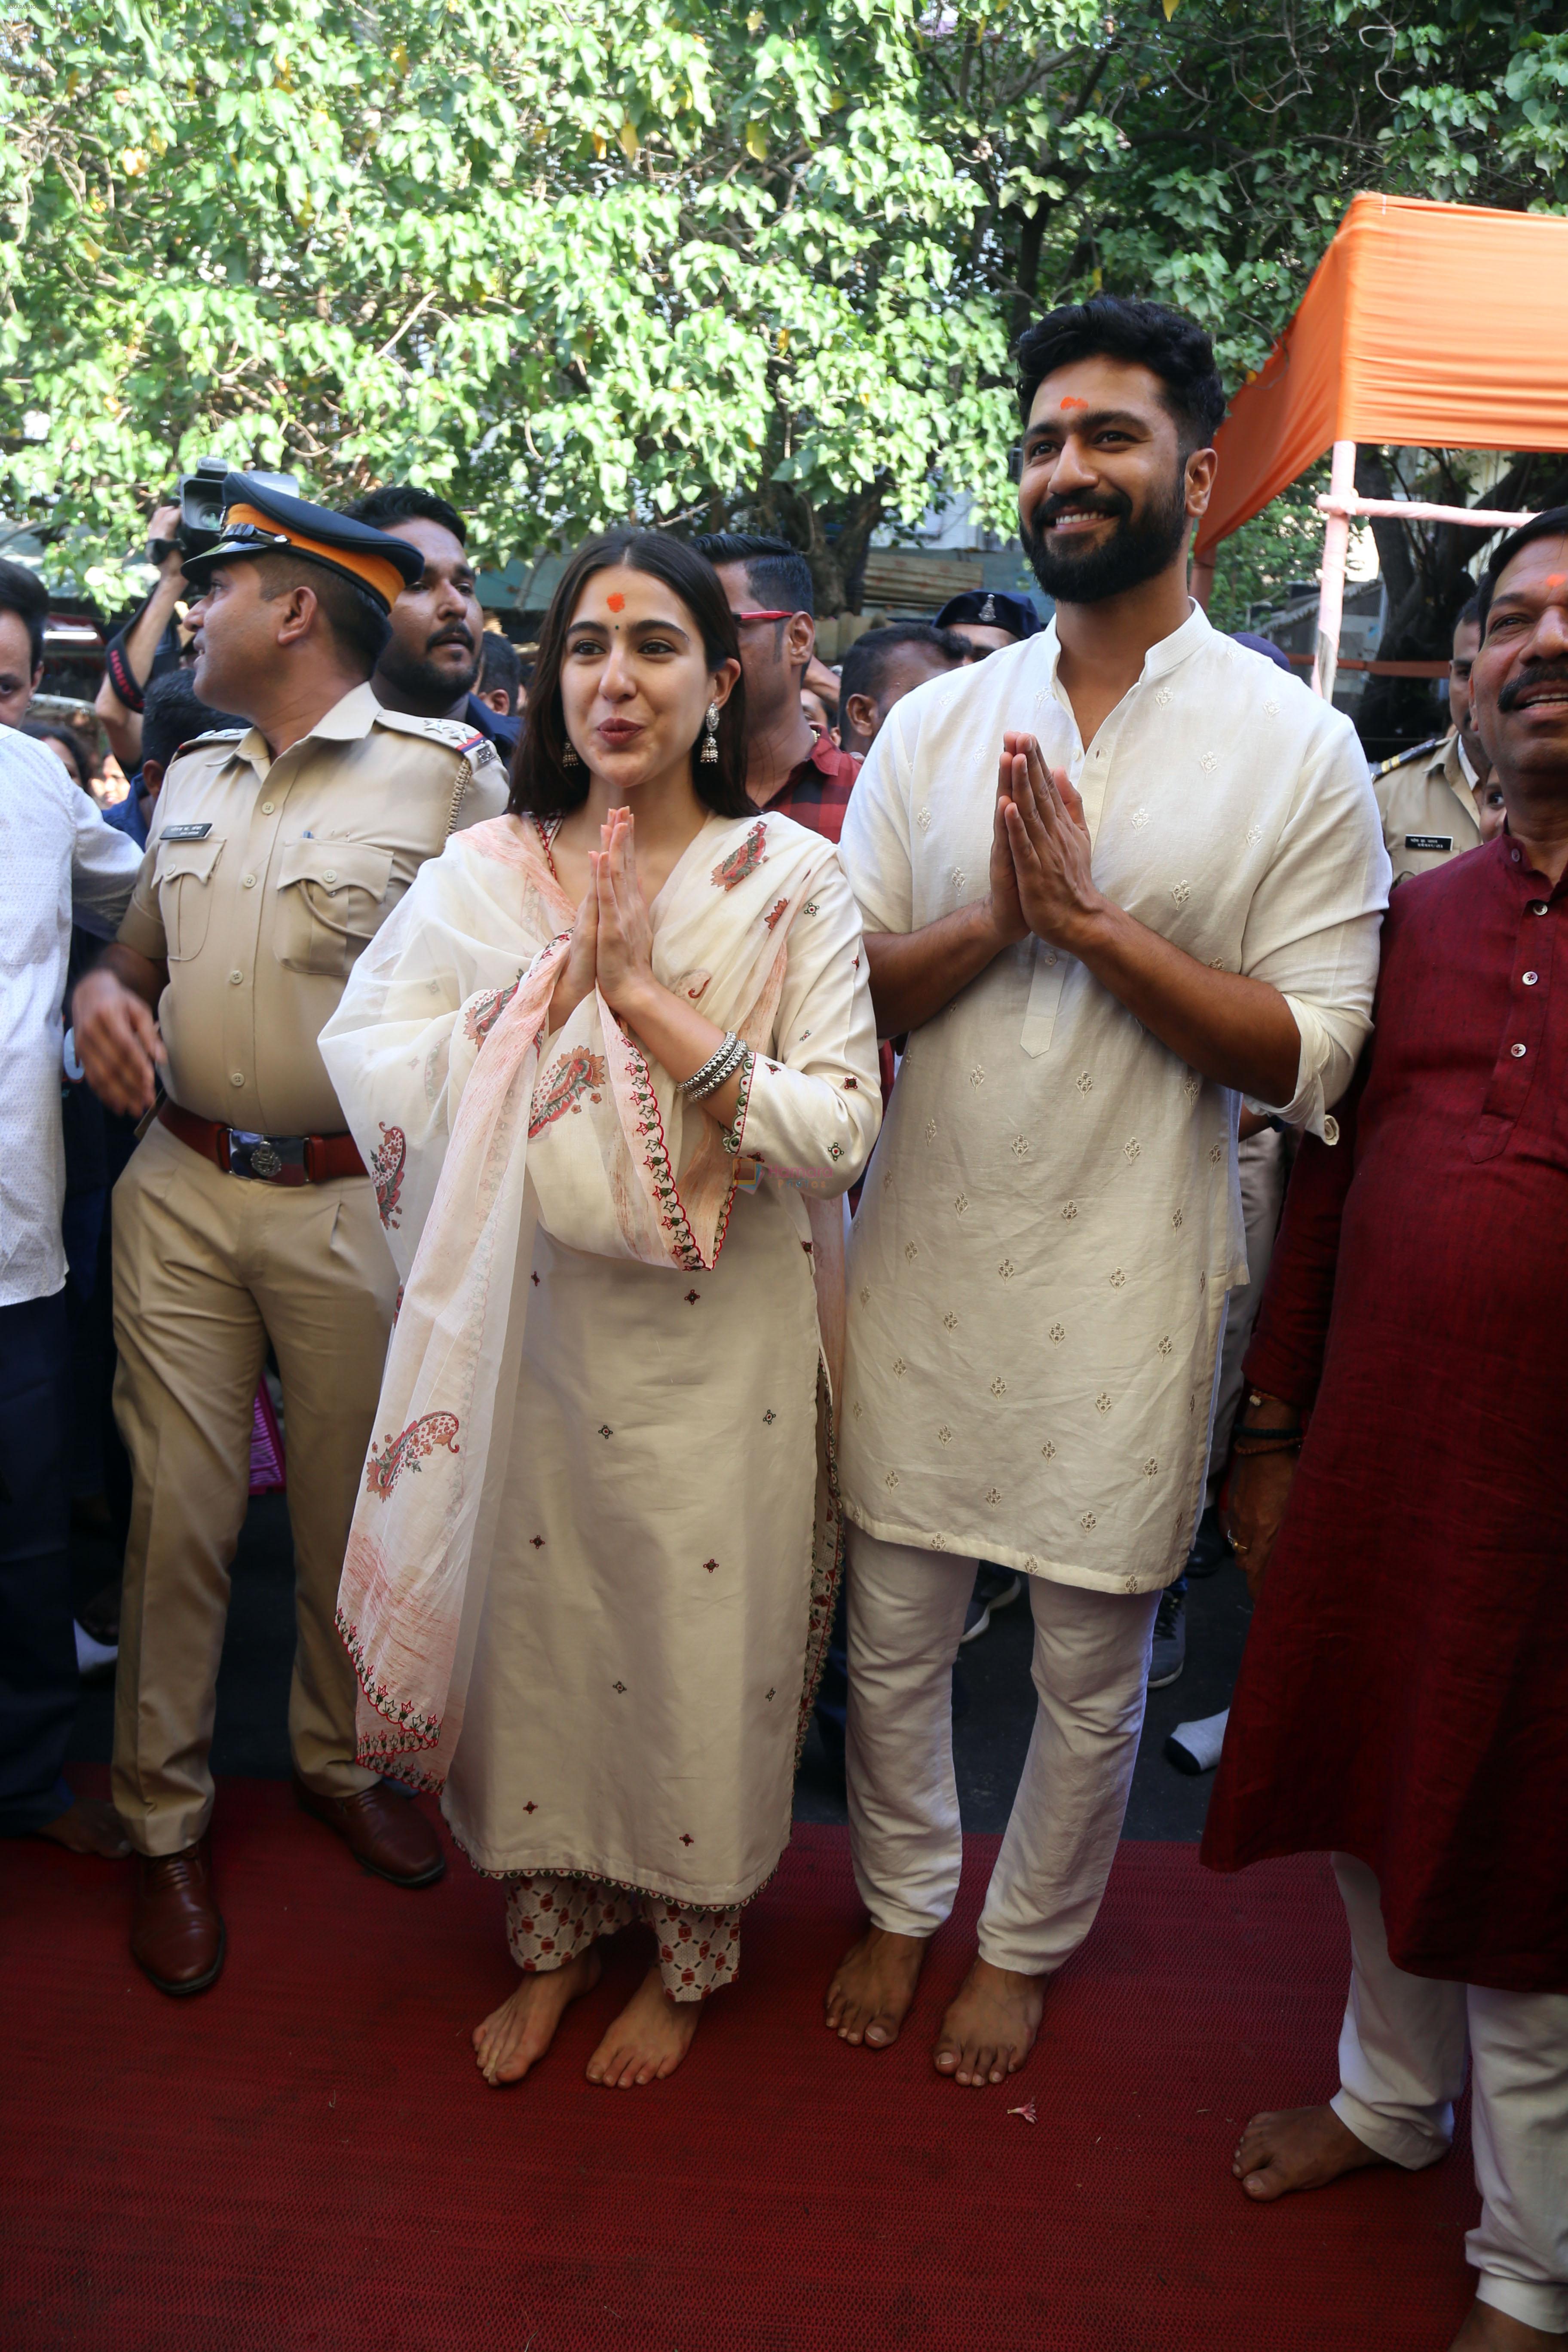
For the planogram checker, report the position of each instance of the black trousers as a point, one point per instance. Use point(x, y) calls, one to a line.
point(38, 1681)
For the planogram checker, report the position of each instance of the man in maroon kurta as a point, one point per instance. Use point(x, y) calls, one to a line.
point(1404, 1701)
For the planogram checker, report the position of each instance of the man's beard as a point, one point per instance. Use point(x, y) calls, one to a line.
point(425, 681)
point(1138, 548)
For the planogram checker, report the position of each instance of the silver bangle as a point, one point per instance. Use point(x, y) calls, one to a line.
point(718, 1066)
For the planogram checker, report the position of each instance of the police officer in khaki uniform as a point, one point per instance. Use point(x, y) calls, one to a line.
point(1432, 798)
point(246, 1214)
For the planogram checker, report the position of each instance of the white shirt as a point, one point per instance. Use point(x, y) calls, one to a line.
point(59, 860)
point(1052, 1216)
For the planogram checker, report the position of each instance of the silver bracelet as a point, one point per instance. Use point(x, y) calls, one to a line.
point(718, 1066)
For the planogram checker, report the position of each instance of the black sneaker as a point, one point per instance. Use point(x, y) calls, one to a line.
point(1169, 1654)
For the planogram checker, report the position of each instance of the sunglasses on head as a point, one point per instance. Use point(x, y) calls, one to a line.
point(739, 617)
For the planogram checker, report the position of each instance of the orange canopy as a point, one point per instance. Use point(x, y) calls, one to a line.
point(1429, 326)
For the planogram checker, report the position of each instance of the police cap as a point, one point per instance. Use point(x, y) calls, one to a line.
point(261, 520)
point(991, 608)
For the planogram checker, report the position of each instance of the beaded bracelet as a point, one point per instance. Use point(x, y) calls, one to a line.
point(718, 1066)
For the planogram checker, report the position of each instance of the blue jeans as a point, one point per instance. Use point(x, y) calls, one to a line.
point(39, 1680)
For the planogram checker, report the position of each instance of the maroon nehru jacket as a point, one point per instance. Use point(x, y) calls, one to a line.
point(1404, 1696)
point(816, 792)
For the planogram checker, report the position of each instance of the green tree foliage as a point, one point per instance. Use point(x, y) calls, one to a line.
point(668, 259)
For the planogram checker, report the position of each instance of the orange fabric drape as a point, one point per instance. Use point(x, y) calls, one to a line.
point(1430, 326)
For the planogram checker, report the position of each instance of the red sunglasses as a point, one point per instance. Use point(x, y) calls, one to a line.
point(738, 617)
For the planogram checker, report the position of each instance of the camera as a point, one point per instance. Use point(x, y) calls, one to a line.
point(201, 507)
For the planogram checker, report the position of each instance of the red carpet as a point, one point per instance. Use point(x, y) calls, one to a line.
point(306, 2156)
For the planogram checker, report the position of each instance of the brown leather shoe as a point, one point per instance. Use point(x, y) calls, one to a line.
point(383, 1833)
point(177, 1935)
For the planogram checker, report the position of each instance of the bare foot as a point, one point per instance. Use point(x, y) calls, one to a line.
point(869, 1997)
point(1298, 2147)
point(1486, 2330)
point(516, 2036)
point(647, 2041)
point(990, 2026)
point(89, 1827)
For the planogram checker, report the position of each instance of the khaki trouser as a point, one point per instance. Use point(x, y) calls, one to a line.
point(208, 1267)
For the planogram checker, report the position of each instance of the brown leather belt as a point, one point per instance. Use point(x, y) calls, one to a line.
point(265, 1158)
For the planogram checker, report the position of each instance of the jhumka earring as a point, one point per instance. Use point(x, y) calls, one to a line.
point(569, 757)
point(708, 755)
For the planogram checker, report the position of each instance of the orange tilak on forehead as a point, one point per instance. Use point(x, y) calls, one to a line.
point(1072, 401)
point(618, 604)
point(1555, 579)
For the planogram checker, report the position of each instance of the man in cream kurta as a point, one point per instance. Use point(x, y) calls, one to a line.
point(1052, 1216)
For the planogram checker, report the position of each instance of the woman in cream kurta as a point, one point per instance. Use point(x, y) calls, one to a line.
point(593, 1564)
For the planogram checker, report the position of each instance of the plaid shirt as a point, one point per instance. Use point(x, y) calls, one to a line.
point(817, 792)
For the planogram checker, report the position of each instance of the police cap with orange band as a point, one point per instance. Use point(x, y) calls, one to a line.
point(261, 520)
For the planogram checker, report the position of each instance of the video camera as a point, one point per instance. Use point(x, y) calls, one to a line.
point(202, 504)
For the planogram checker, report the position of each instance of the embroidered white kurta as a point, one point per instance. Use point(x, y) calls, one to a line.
point(585, 1585)
point(1052, 1215)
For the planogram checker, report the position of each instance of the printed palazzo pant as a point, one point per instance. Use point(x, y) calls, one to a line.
point(551, 1918)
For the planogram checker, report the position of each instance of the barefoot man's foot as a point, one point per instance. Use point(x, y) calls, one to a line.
point(647, 2041)
point(869, 1997)
point(1298, 2147)
point(991, 2024)
point(515, 2036)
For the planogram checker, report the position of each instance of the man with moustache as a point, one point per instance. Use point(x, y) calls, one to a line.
point(435, 657)
point(246, 1215)
point(1404, 1699)
point(1115, 879)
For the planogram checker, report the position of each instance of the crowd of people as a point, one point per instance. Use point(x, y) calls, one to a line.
point(496, 1056)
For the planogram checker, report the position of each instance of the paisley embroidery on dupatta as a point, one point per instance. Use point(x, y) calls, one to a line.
point(386, 1171)
point(558, 1091)
point(487, 1010)
point(744, 861)
point(405, 1452)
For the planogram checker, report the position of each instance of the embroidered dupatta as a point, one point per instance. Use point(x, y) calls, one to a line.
point(575, 1131)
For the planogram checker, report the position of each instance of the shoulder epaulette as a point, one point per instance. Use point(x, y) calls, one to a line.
point(213, 735)
point(1416, 751)
point(453, 734)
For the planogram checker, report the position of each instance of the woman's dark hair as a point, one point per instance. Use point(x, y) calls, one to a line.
point(42, 731)
point(540, 784)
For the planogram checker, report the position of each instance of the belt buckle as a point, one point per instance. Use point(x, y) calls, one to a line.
point(263, 1158)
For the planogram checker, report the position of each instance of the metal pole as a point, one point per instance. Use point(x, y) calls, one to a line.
point(1332, 592)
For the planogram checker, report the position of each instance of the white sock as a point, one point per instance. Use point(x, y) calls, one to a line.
point(1199, 1743)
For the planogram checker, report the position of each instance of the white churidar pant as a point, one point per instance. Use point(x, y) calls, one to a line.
point(1090, 1669)
point(1403, 2050)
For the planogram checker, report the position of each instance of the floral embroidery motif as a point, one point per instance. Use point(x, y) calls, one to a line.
point(809, 907)
point(1020, 1146)
point(1190, 1086)
point(1117, 1279)
point(1175, 1221)
point(1272, 710)
point(1086, 1521)
point(1217, 1152)
point(1163, 696)
point(620, 1688)
point(1048, 1450)
point(407, 1450)
point(604, 1430)
point(1180, 892)
point(772, 1694)
point(693, 1296)
point(531, 1807)
point(1253, 836)
point(1131, 1150)
point(487, 1010)
point(1208, 763)
point(1150, 1468)
point(950, 1320)
point(1070, 1211)
point(835, 1151)
point(1007, 1269)
point(930, 1130)
point(998, 1386)
point(774, 912)
point(558, 1091)
point(770, 1416)
point(977, 1077)
point(960, 1203)
point(710, 1565)
point(537, 1541)
point(944, 1435)
point(1057, 1334)
point(993, 1496)
point(923, 819)
point(958, 878)
point(1084, 1083)
point(851, 1086)
point(386, 1172)
point(910, 1252)
point(744, 861)
point(865, 1294)
point(899, 1366)
point(1139, 819)
point(1102, 1403)
point(891, 1480)
point(1165, 1347)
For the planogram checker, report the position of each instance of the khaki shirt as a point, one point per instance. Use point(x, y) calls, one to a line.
point(263, 881)
point(1427, 807)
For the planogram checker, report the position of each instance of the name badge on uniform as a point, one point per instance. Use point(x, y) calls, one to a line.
point(1428, 841)
point(185, 832)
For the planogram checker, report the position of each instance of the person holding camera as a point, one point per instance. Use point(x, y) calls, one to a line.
point(246, 1214)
